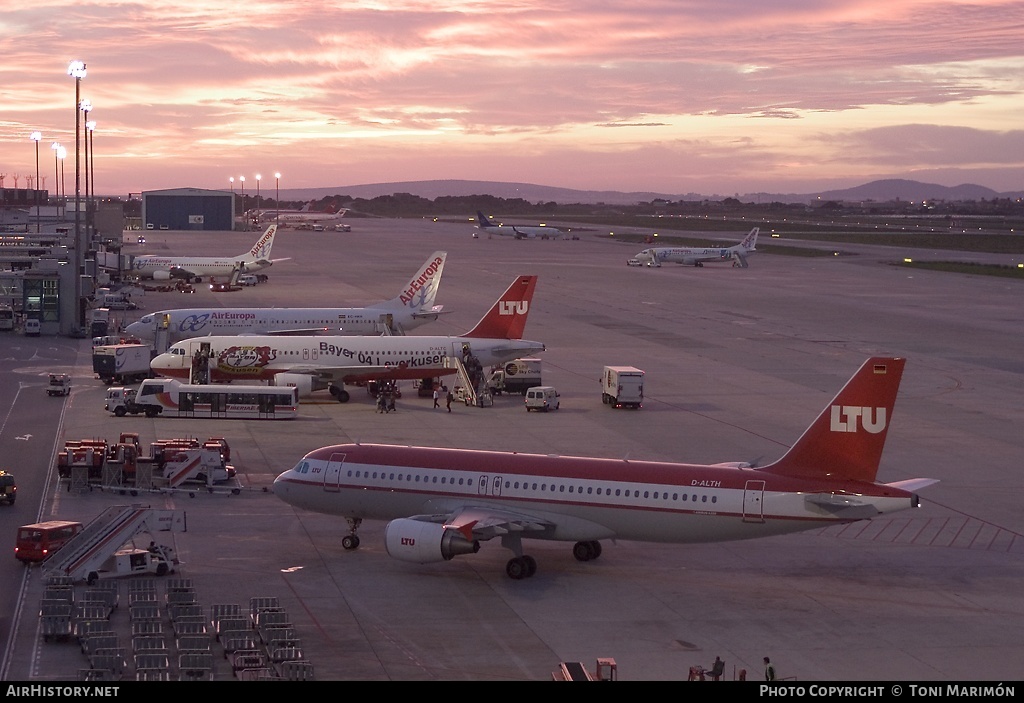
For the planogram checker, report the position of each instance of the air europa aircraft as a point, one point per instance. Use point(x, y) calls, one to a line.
point(317, 362)
point(194, 268)
point(412, 307)
point(442, 503)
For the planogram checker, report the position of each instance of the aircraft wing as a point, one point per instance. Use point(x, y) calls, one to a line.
point(485, 523)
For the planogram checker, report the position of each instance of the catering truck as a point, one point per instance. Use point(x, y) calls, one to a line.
point(514, 377)
point(122, 363)
point(622, 387)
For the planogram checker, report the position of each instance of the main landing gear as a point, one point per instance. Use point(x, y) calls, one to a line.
point(351, 540)
point(339, 393)
point(523, 566)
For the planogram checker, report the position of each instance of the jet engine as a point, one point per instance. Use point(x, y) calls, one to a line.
point(304, 382)
point(425, 542)
point(161, 275)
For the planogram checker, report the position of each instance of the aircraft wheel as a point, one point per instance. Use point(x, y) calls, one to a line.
point(583, 551)
point(531, 565)
point(517, 568)
point(350, 542)
point(595, 548)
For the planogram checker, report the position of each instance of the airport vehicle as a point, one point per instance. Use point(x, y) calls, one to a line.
point(6, 318)
point(605, 670)
point(99, 322)
point(542, 231)
point(33, 327)
point(8, 487)
point(316, 362)
point(248, 279)
point(342, 228)
point(541, 399)
point(412, 307)
point(167, 397)
point(622, 387)
point(697, 256)
point(39, 540)
point(58, 384)
point(442, 503)
point(515, 377)
point(232, 284)
point(103, 548)
point(194, 268)
point(122, 363)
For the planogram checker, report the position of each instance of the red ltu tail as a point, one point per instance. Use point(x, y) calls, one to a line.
point(507, 317)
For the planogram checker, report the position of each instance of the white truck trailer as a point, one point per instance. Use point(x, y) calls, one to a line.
point(122, 364)
point(515, 377)
point(622, 387)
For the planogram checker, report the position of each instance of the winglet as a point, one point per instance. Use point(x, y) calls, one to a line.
point(847, 438)
point(507, 317)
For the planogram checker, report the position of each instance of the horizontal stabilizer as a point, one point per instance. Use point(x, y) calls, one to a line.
point(842, 506)
point(912, 485)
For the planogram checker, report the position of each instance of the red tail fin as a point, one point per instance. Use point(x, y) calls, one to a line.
point(846, 440)
point(507, 317)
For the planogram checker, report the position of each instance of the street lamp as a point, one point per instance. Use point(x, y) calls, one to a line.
point(37, 137)
point(245, 214)
point(62, 153)
point(76, 69)
point(258, 178)
point(277, 198)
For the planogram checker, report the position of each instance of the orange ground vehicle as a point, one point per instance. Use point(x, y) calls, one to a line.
point(40, 540)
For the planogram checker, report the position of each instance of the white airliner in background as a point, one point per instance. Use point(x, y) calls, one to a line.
point(444, 502)
point(412, 307)
point(316, 362)
point(196, 268)
point(697, 256)
point(485, 224)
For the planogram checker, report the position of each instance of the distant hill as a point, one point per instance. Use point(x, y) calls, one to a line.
point(881, 191)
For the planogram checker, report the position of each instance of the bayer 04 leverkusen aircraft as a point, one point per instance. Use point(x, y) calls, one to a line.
point(412, 307)
point(442, 503)
point(317, 362)
point(698, 256)
point(196, 268)
point(486, 224)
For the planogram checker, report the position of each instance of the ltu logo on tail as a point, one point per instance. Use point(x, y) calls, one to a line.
point(513, 307)
point(844, 418)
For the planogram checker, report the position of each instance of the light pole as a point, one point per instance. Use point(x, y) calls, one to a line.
point(245, 215)
point(258, 178)
point(231, 180)
point(62, 153)
point(55, 147)
point(86, 107)
point(91, 166)
point(37, 137)
point(277, 198)
point(76, 69)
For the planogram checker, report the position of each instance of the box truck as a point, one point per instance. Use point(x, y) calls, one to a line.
point(622, 387)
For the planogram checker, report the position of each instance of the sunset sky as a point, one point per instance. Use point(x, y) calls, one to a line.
point(717, 97)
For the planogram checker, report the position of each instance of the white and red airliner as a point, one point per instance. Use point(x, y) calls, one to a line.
point(325, 361)
point(444, 502)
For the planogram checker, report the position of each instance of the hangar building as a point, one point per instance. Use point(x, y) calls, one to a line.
point(188, 208)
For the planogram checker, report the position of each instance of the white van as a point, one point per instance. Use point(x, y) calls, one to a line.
point(542, 398)
point(32, 327)
point(248, 279)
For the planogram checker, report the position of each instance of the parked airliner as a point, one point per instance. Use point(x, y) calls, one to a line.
point(195, 268)
point(442, 503)
point(697, 256)
point(317, 362)
point(412, 307)
point(485, 224)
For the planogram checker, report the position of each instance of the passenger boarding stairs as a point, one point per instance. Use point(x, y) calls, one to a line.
point(105, 534)
point(478, 397)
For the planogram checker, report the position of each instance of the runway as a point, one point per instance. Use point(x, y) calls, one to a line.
point(738, 363)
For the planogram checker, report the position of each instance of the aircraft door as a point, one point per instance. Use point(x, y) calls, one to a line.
point(489, 485)
point(332, 475)
point(753, 501)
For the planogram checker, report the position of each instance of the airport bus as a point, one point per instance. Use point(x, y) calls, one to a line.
point(170, 398)
point(6, 317)
point(37, 541)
